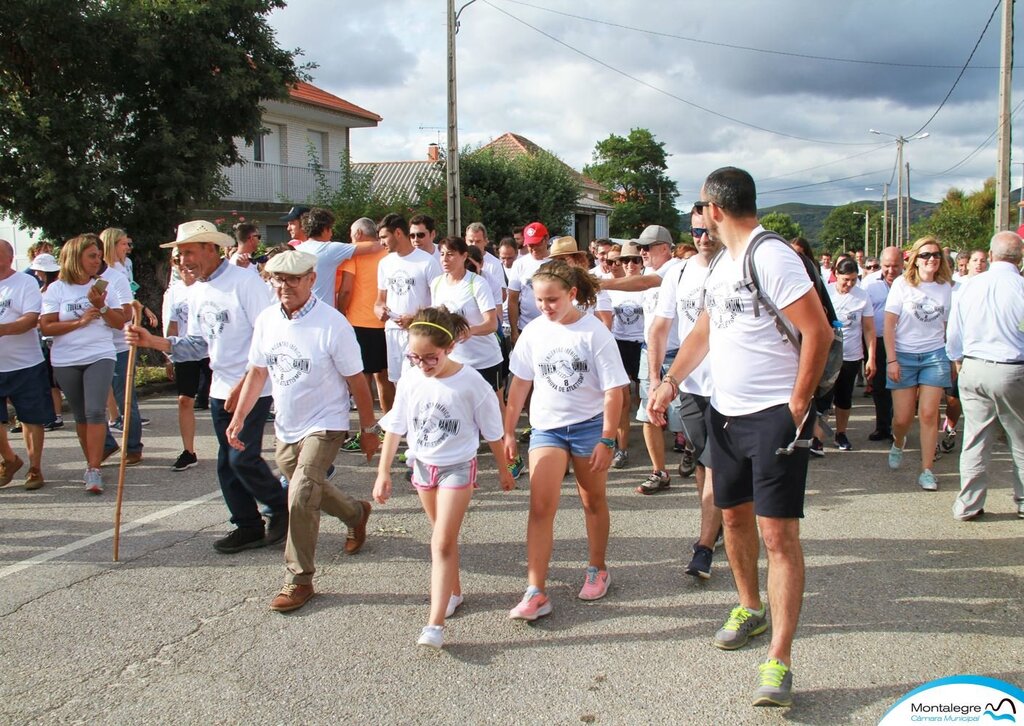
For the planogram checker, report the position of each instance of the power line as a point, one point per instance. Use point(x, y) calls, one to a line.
point(767, 51)
point(827, 163)
point(982, 145)
point(821, 183)
point(962, 70)
point(669, 93)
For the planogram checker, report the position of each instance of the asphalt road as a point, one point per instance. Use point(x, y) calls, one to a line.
point(897, 594)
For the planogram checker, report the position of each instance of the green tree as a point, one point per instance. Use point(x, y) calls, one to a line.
point(633, 169)
point(843, 229)
point(962, 221)
point(121, 112)
point(504, 191)
point(782, 224)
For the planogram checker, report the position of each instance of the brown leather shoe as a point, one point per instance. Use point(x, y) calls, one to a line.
point(291, 597)
point(131, 459)
point(107, 453)
point(8, 469)
point(357, 533)
point(34, 480)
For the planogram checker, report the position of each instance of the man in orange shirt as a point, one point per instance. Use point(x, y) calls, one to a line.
point(357, 293)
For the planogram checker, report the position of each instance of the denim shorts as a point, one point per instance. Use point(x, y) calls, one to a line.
point(921, 369)
point(579, 439)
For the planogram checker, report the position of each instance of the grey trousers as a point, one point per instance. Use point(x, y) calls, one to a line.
point(992, 395)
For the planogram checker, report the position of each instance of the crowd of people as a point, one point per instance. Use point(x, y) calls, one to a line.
point(457, 337)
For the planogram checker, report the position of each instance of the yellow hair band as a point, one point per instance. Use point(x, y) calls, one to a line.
point(434, 325)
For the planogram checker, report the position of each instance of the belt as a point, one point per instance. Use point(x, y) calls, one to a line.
point(997, 362)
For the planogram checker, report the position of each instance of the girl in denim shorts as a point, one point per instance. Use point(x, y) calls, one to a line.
point(443, 408)
point(572, 363)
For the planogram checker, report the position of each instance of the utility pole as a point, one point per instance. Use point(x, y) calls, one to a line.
point(908, 201)
point(454, 188)
point(885, 215)
point(1002, 216)
point(899, 192)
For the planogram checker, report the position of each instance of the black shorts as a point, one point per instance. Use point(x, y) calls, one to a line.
point(187, 376)
point(374, 349)
point(28, 390)
point(492, 375)
point(747, 467)
point(693, 410)
point(629, 351)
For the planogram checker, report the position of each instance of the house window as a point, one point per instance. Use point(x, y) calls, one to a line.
point(258, 151)
point(317, 146)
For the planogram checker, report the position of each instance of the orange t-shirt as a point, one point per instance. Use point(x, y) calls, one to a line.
point(364, 288)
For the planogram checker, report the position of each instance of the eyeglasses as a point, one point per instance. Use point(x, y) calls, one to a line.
point(428, 360)
point(417, 235)
point(698, 207)
point(286, 280)
point(929, 255)
point(631, 260)
point(698, 232)
point(871, 268)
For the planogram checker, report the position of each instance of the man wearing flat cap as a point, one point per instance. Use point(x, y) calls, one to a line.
point(309, 353)
point(223, 305)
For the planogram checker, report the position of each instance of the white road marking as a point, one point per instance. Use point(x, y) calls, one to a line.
point(108, 534)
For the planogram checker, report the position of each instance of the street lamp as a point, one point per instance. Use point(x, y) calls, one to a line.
point(900, 141)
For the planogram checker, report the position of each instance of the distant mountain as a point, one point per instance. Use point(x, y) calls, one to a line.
point(812, 216)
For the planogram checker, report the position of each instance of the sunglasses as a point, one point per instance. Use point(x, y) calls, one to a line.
point(631, 260)
point(698, 232)
point(872, 268)
point(417, 235)
point(699, 206)
point(415, 360)
point(929, 255)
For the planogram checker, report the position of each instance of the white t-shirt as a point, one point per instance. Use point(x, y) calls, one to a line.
point(85, 345)
point(877, 290)
point(222, 311)
point(571, 366)
point(651, 297)
point(680, 300)
point(407, 281)
point(922, 311)
point(238, 258)
point(470, 297)
point(627, 315)
point(520, 280)
point(329, 255)
point(494, 273)
point(19, 295)
point(443, 419)
point(175, 310)
point(851, 309)
point(308, 359)
point(754, 366)
point(118, 276)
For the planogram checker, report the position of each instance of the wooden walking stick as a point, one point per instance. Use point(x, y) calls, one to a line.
point(126, 417)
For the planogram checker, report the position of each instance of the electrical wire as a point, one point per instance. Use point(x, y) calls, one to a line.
point(827, 163)
point(982, 145)
point(821, 183)
point(669, 93)
point(767, 51)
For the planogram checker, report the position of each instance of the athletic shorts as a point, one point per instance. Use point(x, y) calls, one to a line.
point(187, 376)
point(492, 375)
point(748, 467)
point(28, 390)
point(397, 346)
point(693, 411)
point(921, 369)
point(579, 439)
point(373, 347)
point(629, 351)
point(454, 476)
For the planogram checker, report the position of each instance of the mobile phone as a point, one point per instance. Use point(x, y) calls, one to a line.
point(100, 285)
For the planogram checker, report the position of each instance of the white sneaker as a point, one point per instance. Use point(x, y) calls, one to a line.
point(453, 604)
point(93, 481)
point(432, 636)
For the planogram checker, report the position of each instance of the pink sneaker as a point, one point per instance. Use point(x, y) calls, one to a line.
point(596, 585)
point(533, 605)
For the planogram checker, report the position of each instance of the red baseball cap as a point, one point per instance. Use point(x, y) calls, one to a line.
point(534, 233)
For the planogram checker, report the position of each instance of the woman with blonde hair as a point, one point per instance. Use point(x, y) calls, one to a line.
point(917, 370)
point(80, 311)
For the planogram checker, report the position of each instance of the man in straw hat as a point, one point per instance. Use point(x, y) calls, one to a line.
point(224, 303)
point(312, 414)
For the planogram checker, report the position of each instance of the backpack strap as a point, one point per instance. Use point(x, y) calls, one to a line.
point(751, 283)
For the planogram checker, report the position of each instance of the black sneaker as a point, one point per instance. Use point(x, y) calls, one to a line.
point(878, 435)
point(843, 443)
point(687, 463)
point(186, 460)
point(817, 449)
point(700, 565)
point(241, 539)
point(58, 423)
point(277, 528)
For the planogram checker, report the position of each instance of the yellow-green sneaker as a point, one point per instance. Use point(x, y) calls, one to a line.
point(351, 445)
point(776, 684)
point(741, 625)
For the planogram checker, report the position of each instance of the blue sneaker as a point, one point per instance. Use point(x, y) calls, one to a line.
point(895, 457)
point(927, 481)
point(517, 467)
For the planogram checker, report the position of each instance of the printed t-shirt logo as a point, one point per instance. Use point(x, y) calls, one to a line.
point(723, 303)
point(927, 309)
point(564, 370)
point(180, 313)
point(287, 364)
point(629, 313)
point(212, 319)
point(434, 424)
point(77, 307)
point(400, 283)
point(5, 302)
point(688, 304)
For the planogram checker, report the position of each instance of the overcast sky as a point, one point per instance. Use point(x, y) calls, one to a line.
point(389, 56)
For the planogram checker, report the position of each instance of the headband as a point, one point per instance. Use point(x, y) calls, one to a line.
point(555, 275)
point(434, 325)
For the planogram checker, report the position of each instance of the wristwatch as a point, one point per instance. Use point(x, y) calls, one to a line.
point(375, 429)
point(104, 309)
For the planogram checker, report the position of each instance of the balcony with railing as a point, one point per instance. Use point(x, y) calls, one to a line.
point(258, 181)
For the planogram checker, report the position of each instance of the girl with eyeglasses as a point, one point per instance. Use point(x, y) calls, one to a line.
point(917, 370)
point(443, 408)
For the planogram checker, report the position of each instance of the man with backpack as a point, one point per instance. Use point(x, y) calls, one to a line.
point(759, 421)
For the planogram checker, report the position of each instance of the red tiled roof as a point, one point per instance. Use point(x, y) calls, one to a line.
point(510, 143)
point(308, 93)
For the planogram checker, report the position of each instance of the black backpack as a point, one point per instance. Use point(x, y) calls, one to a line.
point(789, 333)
